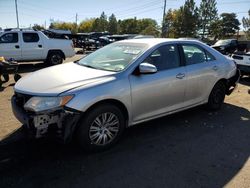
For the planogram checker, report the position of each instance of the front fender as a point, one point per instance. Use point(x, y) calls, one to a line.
point(117, 90)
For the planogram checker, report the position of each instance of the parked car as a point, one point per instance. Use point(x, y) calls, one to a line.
point(227, 46)
point(243, 62)
point(58, 34)
point(120, 85)
point(31, 45)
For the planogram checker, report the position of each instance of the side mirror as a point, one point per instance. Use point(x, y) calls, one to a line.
point(147, 68)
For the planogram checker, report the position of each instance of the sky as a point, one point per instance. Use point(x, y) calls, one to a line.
point(42, 12)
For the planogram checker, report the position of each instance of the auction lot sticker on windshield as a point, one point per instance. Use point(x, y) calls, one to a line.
point(133, 51)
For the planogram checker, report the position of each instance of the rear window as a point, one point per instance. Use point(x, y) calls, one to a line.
point(30, 37)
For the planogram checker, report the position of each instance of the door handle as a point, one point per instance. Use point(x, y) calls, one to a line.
point(215, 68)
point(40, 46)
point(17, 46)
point(180, 75)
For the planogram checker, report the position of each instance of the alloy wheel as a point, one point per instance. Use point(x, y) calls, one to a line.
point(104, 129)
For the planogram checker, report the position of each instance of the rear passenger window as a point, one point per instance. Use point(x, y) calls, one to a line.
point(30, 37)
point(165, 57)
point(193, 54)
point(210, 57)
point(9, 38)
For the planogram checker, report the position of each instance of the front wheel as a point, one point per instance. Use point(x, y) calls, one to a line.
point(101, 128)
point(217, 96)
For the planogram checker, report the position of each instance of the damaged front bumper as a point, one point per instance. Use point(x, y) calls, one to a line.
point(59, 123)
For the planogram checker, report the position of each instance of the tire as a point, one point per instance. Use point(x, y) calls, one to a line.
point(17, 77)
point(5, 77)
point(55, 58)
point(91, 131)
point(217, 96)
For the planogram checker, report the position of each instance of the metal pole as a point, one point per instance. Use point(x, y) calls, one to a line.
point(163, 19)
point(17, 20)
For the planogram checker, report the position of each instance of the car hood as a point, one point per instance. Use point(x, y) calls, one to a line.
point(54, 80)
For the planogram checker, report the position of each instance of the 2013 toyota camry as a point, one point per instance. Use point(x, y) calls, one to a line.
point(120, 85)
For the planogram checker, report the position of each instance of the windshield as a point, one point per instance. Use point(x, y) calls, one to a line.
point(222, 42)
point(114, 57)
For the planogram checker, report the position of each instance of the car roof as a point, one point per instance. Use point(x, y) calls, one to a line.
point(155, 41)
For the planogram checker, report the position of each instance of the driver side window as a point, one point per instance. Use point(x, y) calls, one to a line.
point(165, 57)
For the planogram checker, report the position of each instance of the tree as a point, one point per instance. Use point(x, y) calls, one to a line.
point(144, 23)
point(208, 13)
point(147, 26)
point(216, 29)
point(38, 27)
point(230, 24)
point(189, 17)
point(96, 25)
point(168, 23)
point(86, 25)
point(103, 22)
point(64, 25)
point(246, 25)
point(151, 30)
point(100, 24)
point(226, 26)
point(182, 22)
point(113, 24)
point(129, 26)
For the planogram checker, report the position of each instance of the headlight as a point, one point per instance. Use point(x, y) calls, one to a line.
point(38, 104)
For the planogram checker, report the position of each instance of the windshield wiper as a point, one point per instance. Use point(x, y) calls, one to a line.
point(90, 66)
point(98, 68)
point(77, 62)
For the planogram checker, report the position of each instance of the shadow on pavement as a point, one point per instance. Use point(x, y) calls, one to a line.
point(27, 68)
point(194, 148)
point(23, 68)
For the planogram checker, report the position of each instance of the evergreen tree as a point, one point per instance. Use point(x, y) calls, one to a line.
point(113, 24)
point(207, 14)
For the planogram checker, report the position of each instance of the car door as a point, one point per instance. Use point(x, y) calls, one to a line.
point(32, 46)
point(10, 45)
point(201, 73)
point(161, 92)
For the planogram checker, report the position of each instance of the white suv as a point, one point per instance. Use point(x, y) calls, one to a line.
point(30, 45)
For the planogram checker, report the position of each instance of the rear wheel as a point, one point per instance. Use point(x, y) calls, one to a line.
point(101, 128)
point(217, 96)
point(55, 58)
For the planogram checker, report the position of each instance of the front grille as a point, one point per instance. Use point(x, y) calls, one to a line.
point(21, 99)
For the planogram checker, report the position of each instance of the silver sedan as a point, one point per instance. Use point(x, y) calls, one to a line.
point(120, 85)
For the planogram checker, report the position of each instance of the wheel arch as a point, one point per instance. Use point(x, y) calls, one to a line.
point(114, 102)
point(55, 50)
point(229, 83)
